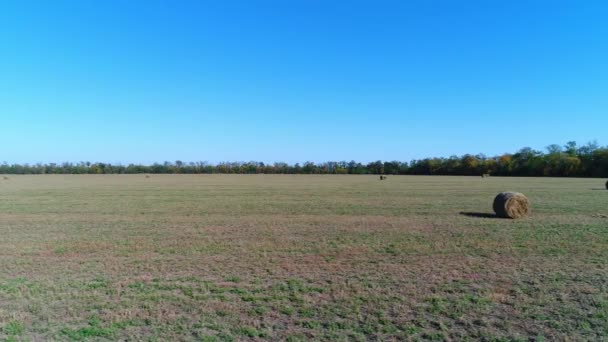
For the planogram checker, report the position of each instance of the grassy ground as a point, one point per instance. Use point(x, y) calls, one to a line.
point(220, 258)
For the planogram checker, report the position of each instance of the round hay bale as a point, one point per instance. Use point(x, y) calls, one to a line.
point(606, 185)
point(511, 205)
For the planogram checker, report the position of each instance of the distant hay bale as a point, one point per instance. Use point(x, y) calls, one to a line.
point(147, 176)
point(511, 205)
point(382, 177)
point(6, 178)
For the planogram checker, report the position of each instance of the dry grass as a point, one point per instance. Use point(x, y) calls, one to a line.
point(220, 257)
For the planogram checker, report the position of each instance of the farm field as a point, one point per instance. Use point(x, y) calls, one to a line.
point(295, 257)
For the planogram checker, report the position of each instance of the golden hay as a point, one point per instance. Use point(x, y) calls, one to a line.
point(511, 205)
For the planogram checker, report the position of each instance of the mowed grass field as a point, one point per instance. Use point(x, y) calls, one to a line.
point(294, 257)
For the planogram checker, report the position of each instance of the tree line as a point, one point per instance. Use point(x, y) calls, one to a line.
point(570, 160)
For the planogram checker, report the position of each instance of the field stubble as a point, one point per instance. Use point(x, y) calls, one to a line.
point(230, 257)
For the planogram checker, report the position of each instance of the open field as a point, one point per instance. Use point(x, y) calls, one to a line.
point(231, 257)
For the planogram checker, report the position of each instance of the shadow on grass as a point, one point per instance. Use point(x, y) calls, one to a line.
point(600, 189)
point(479, 215)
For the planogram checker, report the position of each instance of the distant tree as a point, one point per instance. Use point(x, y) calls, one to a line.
point(376, 167)
point(470, 165)
point(570, 148)
point(554, 149)
point(569, 160)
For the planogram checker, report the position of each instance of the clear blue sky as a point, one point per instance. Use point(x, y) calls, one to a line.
point(297, 80)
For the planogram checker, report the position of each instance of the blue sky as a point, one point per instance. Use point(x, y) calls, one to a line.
point(146, 81)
